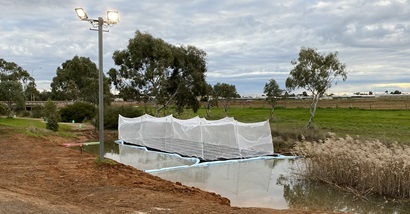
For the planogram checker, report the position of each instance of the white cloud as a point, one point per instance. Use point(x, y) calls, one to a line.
point(247, 42)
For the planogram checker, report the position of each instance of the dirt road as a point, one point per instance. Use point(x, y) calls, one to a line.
point(39, 175)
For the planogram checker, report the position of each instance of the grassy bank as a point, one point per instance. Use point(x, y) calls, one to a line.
point(34, 127)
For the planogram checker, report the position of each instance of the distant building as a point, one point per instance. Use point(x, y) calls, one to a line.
point(254, 96)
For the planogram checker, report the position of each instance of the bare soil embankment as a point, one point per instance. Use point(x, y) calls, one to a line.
point(39, 175)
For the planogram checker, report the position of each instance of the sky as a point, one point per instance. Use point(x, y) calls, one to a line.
point(247, 42)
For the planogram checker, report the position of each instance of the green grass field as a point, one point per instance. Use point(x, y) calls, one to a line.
point(385, 125)
point(34, 127)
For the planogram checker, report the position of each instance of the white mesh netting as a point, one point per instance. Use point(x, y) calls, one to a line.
point(198, 137)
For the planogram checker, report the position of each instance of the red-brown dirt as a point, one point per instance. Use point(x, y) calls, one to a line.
point(39, 175)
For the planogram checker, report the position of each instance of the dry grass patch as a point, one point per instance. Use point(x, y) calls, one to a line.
point(368, 167)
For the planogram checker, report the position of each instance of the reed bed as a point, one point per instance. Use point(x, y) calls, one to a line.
point(368, 167)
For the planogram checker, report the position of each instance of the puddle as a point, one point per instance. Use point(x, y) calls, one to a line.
point(267, 182)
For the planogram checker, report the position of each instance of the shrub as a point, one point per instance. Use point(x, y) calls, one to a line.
point(52, 123)
point(51, 115)
point(37, 112)
point(79, 112)
point(25, 113)
point(111, 115)
point(50, 108)
point(284, 139)
point(4, 109)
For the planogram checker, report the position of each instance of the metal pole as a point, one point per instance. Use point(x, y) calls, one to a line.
point(32, 93)
point(100, 87)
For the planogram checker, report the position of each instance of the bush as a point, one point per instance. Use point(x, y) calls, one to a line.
point(50, 109)
point(52, 123)
point(4, 109)
point(25, 113)
point(111, 115)
point(37, 112)
point(79, 112)
point(51, 115)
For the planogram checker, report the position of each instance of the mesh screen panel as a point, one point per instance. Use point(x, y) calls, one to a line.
point(198, 137)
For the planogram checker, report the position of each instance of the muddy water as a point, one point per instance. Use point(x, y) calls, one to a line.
point(269, 183)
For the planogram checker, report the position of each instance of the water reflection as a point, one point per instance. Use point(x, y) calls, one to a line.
point(245, 183)
point(268, 183)
point(302, 194)
point(272, 184)
point(109, 148)
point(142, 159)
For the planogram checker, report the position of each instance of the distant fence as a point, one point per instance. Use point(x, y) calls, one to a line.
point(31, 104)
point(378, 102)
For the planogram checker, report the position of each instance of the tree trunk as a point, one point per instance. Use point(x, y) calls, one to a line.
point(313, 109)
point(208, 110)
point(226, 108)
point(156, 109)
point(165, 105)
point(271, 111)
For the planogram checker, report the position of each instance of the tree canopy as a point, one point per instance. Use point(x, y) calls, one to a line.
point(316, 73)
point(77, 80)
point(13, 82)
point(225, 91)
point(151, 69)
point(272, 92)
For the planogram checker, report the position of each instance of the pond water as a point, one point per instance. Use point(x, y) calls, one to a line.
point(264, 182)
point(141, 158)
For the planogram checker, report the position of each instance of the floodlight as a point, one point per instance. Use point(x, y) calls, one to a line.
point(112, 17)
point(81, 13)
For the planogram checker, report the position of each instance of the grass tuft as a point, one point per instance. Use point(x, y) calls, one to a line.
point(105, 162)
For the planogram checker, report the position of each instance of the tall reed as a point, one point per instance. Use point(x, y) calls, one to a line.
point(367, 167)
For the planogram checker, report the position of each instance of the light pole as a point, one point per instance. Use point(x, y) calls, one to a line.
point(112, 18)
point(33, 96)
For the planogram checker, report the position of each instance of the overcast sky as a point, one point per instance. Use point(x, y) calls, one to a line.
point(247, 42)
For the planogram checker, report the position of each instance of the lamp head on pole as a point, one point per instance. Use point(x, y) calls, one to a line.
point(81, 13)
point(113, 17)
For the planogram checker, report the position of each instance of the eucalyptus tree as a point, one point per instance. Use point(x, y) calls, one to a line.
point(272, 92)
point(31, 91)
point(187, 80)
point(225, 91)
point(77, 80)
point(13, 81)
point(151, 69)
point(211, 99)
point(316, 73)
